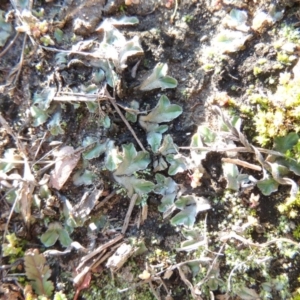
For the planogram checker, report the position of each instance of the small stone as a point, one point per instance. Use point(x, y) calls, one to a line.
point(204, 38)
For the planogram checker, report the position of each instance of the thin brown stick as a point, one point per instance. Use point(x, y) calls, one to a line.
point(74, 245)
point(175, 11)
point(105, 200)
point(95, 55)
point(237, 134)
point(144, 213)
point(113, 102)
point(79, 277)
point(241, 163)
point(99, 249)
point(10, 44)
point(128, 214)
point(102, 258)
point(20, 64)
point(9, 191)
point(44, 162)
point(79, 98)
point(131, 109)
point(40, 145)
point(263, 245)
point(164, 285)
point(189, 284)
point(51, 163)
point(234, 149)
point(173, 267)
point(211, 267)
point(153, 290)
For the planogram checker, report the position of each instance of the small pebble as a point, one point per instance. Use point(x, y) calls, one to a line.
point(204, 38)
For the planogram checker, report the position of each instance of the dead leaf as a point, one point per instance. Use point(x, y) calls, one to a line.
point(145, 275)
point(26, 191)
point(10, 291)
point(66, 161)
point(38, 272)
point(254, 200)
point(25, 199)
point(87, 203)
point(247, 294)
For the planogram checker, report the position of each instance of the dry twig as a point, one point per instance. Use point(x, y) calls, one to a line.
point(175, 11)
point(241, 163)
point(113, 102)
point(128, 214)
point(28, 184)
point(9, 45)
point(99, 250)
point(234, 149)
point(105, 200)
point(233, 235)
point(265, 164)
point(189, 285)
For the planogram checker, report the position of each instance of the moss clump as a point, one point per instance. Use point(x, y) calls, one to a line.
point(291, 207)
point(296, 233)
point(106, 287)
point(279, 113)
point(13, 248)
